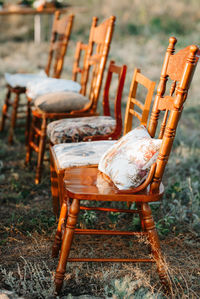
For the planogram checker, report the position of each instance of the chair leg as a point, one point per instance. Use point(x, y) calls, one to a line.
point(54, 187)
point(42, 145)
point(29, 149)
point(59, 232)
point(13, 118)
point(5, 110)
point(28, 122)
point(154, 243)
point(140, 215)
point(66, 244)
point(61, 190)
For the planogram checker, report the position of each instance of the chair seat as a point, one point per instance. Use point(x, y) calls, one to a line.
point(89, 183)
point(75, 129)
point(21, 80)
point(79, 154)
point(58, 102)
point(39, 87)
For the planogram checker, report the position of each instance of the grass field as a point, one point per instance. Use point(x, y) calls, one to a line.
point(27, 223)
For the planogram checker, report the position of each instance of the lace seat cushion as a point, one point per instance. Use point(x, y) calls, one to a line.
point(65, 101)
point(129, 160)
point(21, 80)
point(36, 88)
point(75, 129)
point(80, 154)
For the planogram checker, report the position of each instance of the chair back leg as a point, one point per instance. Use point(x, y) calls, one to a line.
point(60, 230)
point(5, 110)
point(13, 117)
point(41, 150)
point(54, 186)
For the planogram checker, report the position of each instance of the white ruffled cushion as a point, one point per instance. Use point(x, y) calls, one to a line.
point(38, 88)
point(80, 154)
point(75, 129)
point(129, 160)
point(21, 80)
point(64, 101)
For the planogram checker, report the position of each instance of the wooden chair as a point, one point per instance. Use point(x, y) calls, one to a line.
point(59, 41)
point(80, 183)
point(96, 56)
point(58, 166)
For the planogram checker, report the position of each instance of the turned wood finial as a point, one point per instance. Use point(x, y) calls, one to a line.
point(112, 19)
point(172, 41)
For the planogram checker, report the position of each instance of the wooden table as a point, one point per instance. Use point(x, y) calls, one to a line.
point(37, 16)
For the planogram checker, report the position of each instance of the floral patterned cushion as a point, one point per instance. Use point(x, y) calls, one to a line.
point(40, 87)
point(75, 129)
point(80, 154)
point(64, 101)
point(21, 80)
point(128, 161)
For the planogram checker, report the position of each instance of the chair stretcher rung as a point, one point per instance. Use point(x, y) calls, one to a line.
point(108, 232)
point(134, 113)
point(37, 131)
point(111, 260)
point(34, 146)
point(138, 103)
point(109, 210)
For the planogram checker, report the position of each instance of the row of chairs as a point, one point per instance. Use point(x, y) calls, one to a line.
point(74, 165)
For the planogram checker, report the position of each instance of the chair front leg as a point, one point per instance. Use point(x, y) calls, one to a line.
point(61, 223)
point(13, 118)
point(29, 149)
point(41, 150)
point(5, 110)
point(54, 186)
point(28, 121)
point(66, 244)
point(149, 226)
point(140, 215)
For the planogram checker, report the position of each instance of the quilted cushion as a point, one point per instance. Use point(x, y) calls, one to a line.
point(21, 80)
point(80, 154)
point(75, 129)
point(128, 161)
point(38, 88)
point(61, 102)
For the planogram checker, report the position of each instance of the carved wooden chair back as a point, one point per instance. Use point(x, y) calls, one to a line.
point(96, 57)
point(59, 41)
point(133, 101)
point(179, 68)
